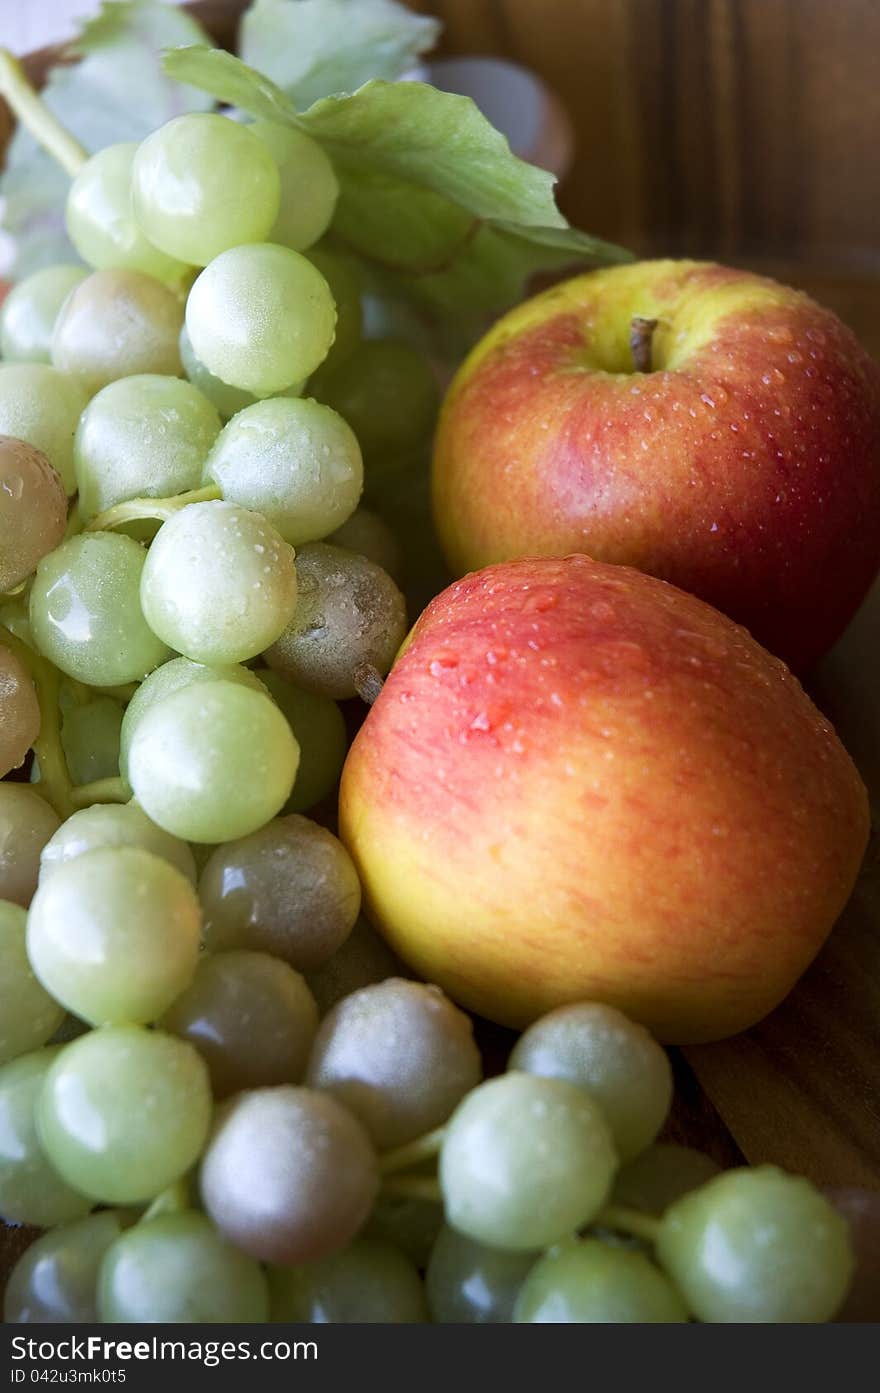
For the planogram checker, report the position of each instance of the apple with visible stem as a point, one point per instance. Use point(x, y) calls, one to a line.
point(580, 783)
point(703, 424)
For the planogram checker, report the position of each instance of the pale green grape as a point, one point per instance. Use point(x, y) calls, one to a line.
point(251, 1018)
point(26, 823)
point(124, 1112)
point(526, 1161)
point(388, 395)
point(42, 406)
point(55, 1280)
point(29, 1016)
point(219, 583)
point(290, 889)
point(201, 184)
point(757, 1246)
point(228, 400)
point(362, 959)
point(177, 1268)
point(112, 825)
point(618, 1062)
point(100, 221)
point(369, 1282)
point(212, 762)
point(144, 436)
point(309, 187)
point(261, 317)
point(33, 510)
point(32, 1191)
point(319, 728)
point(114, 324)
point(349, 612)
point(114, 935)
point(370, 536)
point(342, 274)
point(661, 1175)
point(167, 679)
point(289, 1175)
point(85, 610)
point(399, 1055)
point(28, 314)
point(585, 1281)
point(470, 1284)
point(294, 461)
point(90, 739)
point(19, 711)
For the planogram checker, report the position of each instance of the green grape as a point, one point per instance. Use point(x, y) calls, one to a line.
point(27, 822)
point(218, 1011)
point(90, 739)
point(342, 274)
point(28, 1014)
point(228, 400)
point(219, 583)
point(212, 762)
point(20, 723)
point(261, 317)
point(178, 1268)
point(124, 1112)
point(113, 826)
point(55, 1280)
point(362, 959)
point(40, 405)
point(349, 612)
point(399, 1055)
point(289, 1175)
point(142, 437)
point(368, 1283)
point(290, 889)
point(661, 1175)
point(319, 728)
point(167, 679)
point(294, 461)
point(409, 1223)
point(585, 1281)
point(388, 395)
point(309, 187)
point(85, 611)
point(757, 1246)
point(370, 536)
point(100, 221)
point(470, 1284)
point(28, 314)
point(114, 324)
point(617, 1061)
point(201, 184)
point(526, 1161)
point(31, 1189)
point(114, 935)
point(33, 510)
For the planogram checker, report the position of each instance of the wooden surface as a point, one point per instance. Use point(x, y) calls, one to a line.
point(743, 131)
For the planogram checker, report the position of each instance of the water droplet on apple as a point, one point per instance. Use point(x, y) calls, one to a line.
point(795, 357)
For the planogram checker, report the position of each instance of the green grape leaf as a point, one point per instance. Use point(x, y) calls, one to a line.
point(117, 91)
point(312, 48)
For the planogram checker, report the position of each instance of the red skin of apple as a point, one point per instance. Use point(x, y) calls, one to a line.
point(745, 469)
point(580, 783)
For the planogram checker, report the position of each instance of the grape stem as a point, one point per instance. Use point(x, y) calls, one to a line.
point(626, 1220)
point(417, 1187)
point(175, 1200)
point(150, 509)
point(32, 112)
point(404, 1157)
point(55, 784)
point(100, 791)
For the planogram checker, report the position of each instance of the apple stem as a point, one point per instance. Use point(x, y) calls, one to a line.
point(626, 1220)
point(368, 682)
point(641, 334)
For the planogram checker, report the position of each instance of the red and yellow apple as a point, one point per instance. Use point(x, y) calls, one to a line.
point(744, 467)
point(580, 782)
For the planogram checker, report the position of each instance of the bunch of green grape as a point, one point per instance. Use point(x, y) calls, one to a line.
point(220, 1096)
